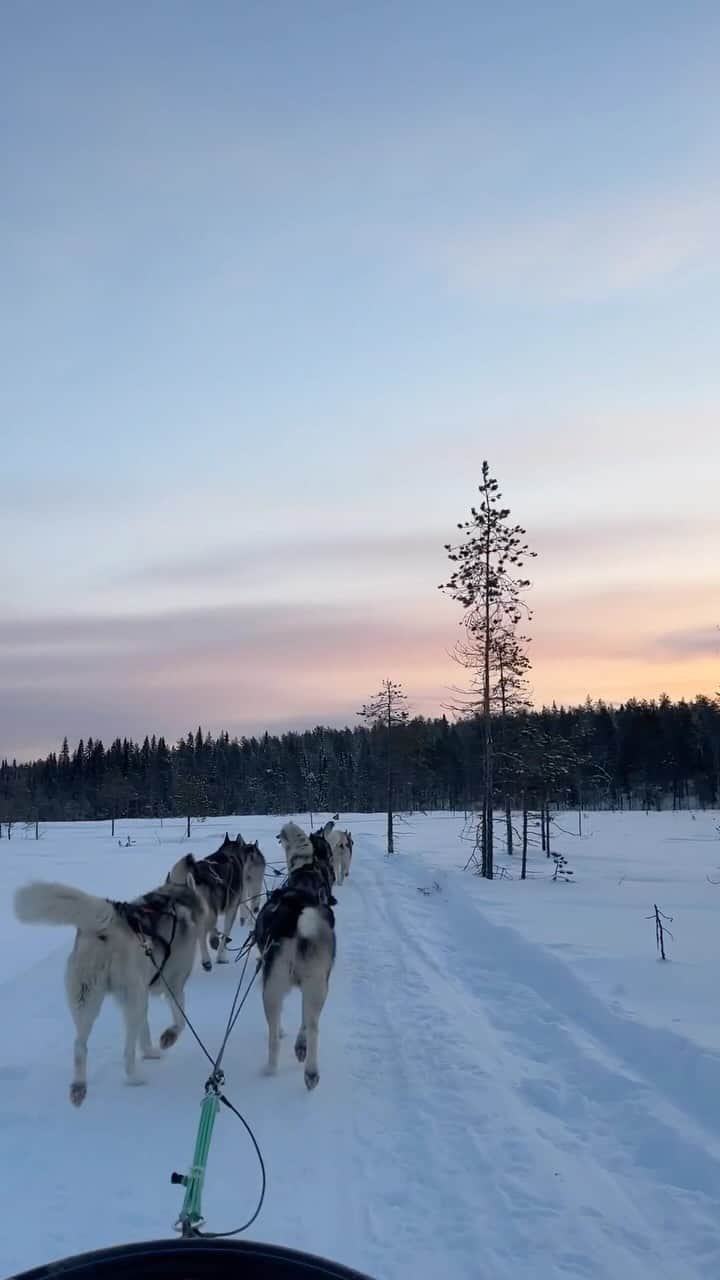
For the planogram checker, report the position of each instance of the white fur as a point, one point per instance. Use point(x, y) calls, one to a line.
point(45, 902)
point(298, 847)
point(309, 923)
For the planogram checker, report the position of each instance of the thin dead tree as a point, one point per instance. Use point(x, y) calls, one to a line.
point(660, 929)
point(487, 582)
point(387, 710)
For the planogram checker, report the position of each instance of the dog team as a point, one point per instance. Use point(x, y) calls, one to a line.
point(131, 950)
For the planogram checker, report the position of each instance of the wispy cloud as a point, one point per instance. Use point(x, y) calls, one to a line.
point(343, 565)
point(627, 533)
point(692, 642)
point(238, 562)
point(582, 255)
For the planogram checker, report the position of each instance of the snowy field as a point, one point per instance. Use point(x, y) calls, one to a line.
point(512, 1085)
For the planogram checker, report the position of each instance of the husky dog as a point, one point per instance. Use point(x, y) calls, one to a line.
point(229, 881)
point(309, 862)
point(125, 949)
point(341, 843)
point(295, 935)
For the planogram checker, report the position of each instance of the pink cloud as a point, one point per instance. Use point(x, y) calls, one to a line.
point(247, 668)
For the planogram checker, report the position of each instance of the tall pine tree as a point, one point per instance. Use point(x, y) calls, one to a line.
point(487, 583)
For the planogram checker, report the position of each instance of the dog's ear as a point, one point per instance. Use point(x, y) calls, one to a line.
point(328, 828)
point(239, 839)
point(190, 882)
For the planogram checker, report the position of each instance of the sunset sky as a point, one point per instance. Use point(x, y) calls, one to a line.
point(276, 277)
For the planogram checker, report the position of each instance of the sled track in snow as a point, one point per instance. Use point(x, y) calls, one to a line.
point(579, 1129)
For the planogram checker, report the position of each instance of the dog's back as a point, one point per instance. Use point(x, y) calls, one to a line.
point(290, 915)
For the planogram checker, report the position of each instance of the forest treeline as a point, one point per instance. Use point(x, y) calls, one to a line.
point(648, 754)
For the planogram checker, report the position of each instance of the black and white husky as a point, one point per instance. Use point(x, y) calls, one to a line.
point(295, 935)
point(110, 957)
point(230, 881)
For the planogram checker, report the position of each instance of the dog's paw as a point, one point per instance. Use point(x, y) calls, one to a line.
point(78, 1094)
point(301, 1049)
point(168, 1038)
point(152, 1052)
point(136, 1082)
point(207, 965)
point(311, 1079)
point(222, 959)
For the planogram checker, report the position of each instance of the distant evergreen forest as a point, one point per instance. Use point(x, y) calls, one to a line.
point(642, 754)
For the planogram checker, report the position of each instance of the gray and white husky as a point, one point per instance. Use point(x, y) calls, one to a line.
point(230, 881)
point(295, 935)
point(109, 958)
point(341, 843)
point(309, 860)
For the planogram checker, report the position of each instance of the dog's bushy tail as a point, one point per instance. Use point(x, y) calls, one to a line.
point(311, 924)
point(45, 903)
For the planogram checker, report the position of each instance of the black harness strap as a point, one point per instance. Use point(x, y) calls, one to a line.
point(140, 920)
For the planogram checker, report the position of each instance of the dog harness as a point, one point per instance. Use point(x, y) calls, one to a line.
point(140, 919)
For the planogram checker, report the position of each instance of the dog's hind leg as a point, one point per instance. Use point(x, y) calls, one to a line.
point(228, 923)
point(253, 890)
point(275, 987)
point(177, 1005)
point(203, 943)
point(314, 995)
point(147, 1048)
point(134, 1007)
point(85, 1002)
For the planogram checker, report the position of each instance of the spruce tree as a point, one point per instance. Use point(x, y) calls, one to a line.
point(487, 583)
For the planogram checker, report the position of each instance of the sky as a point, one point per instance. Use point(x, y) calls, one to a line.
point(276, 278)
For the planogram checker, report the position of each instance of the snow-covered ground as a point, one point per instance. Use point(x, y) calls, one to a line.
point(512, 1085)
